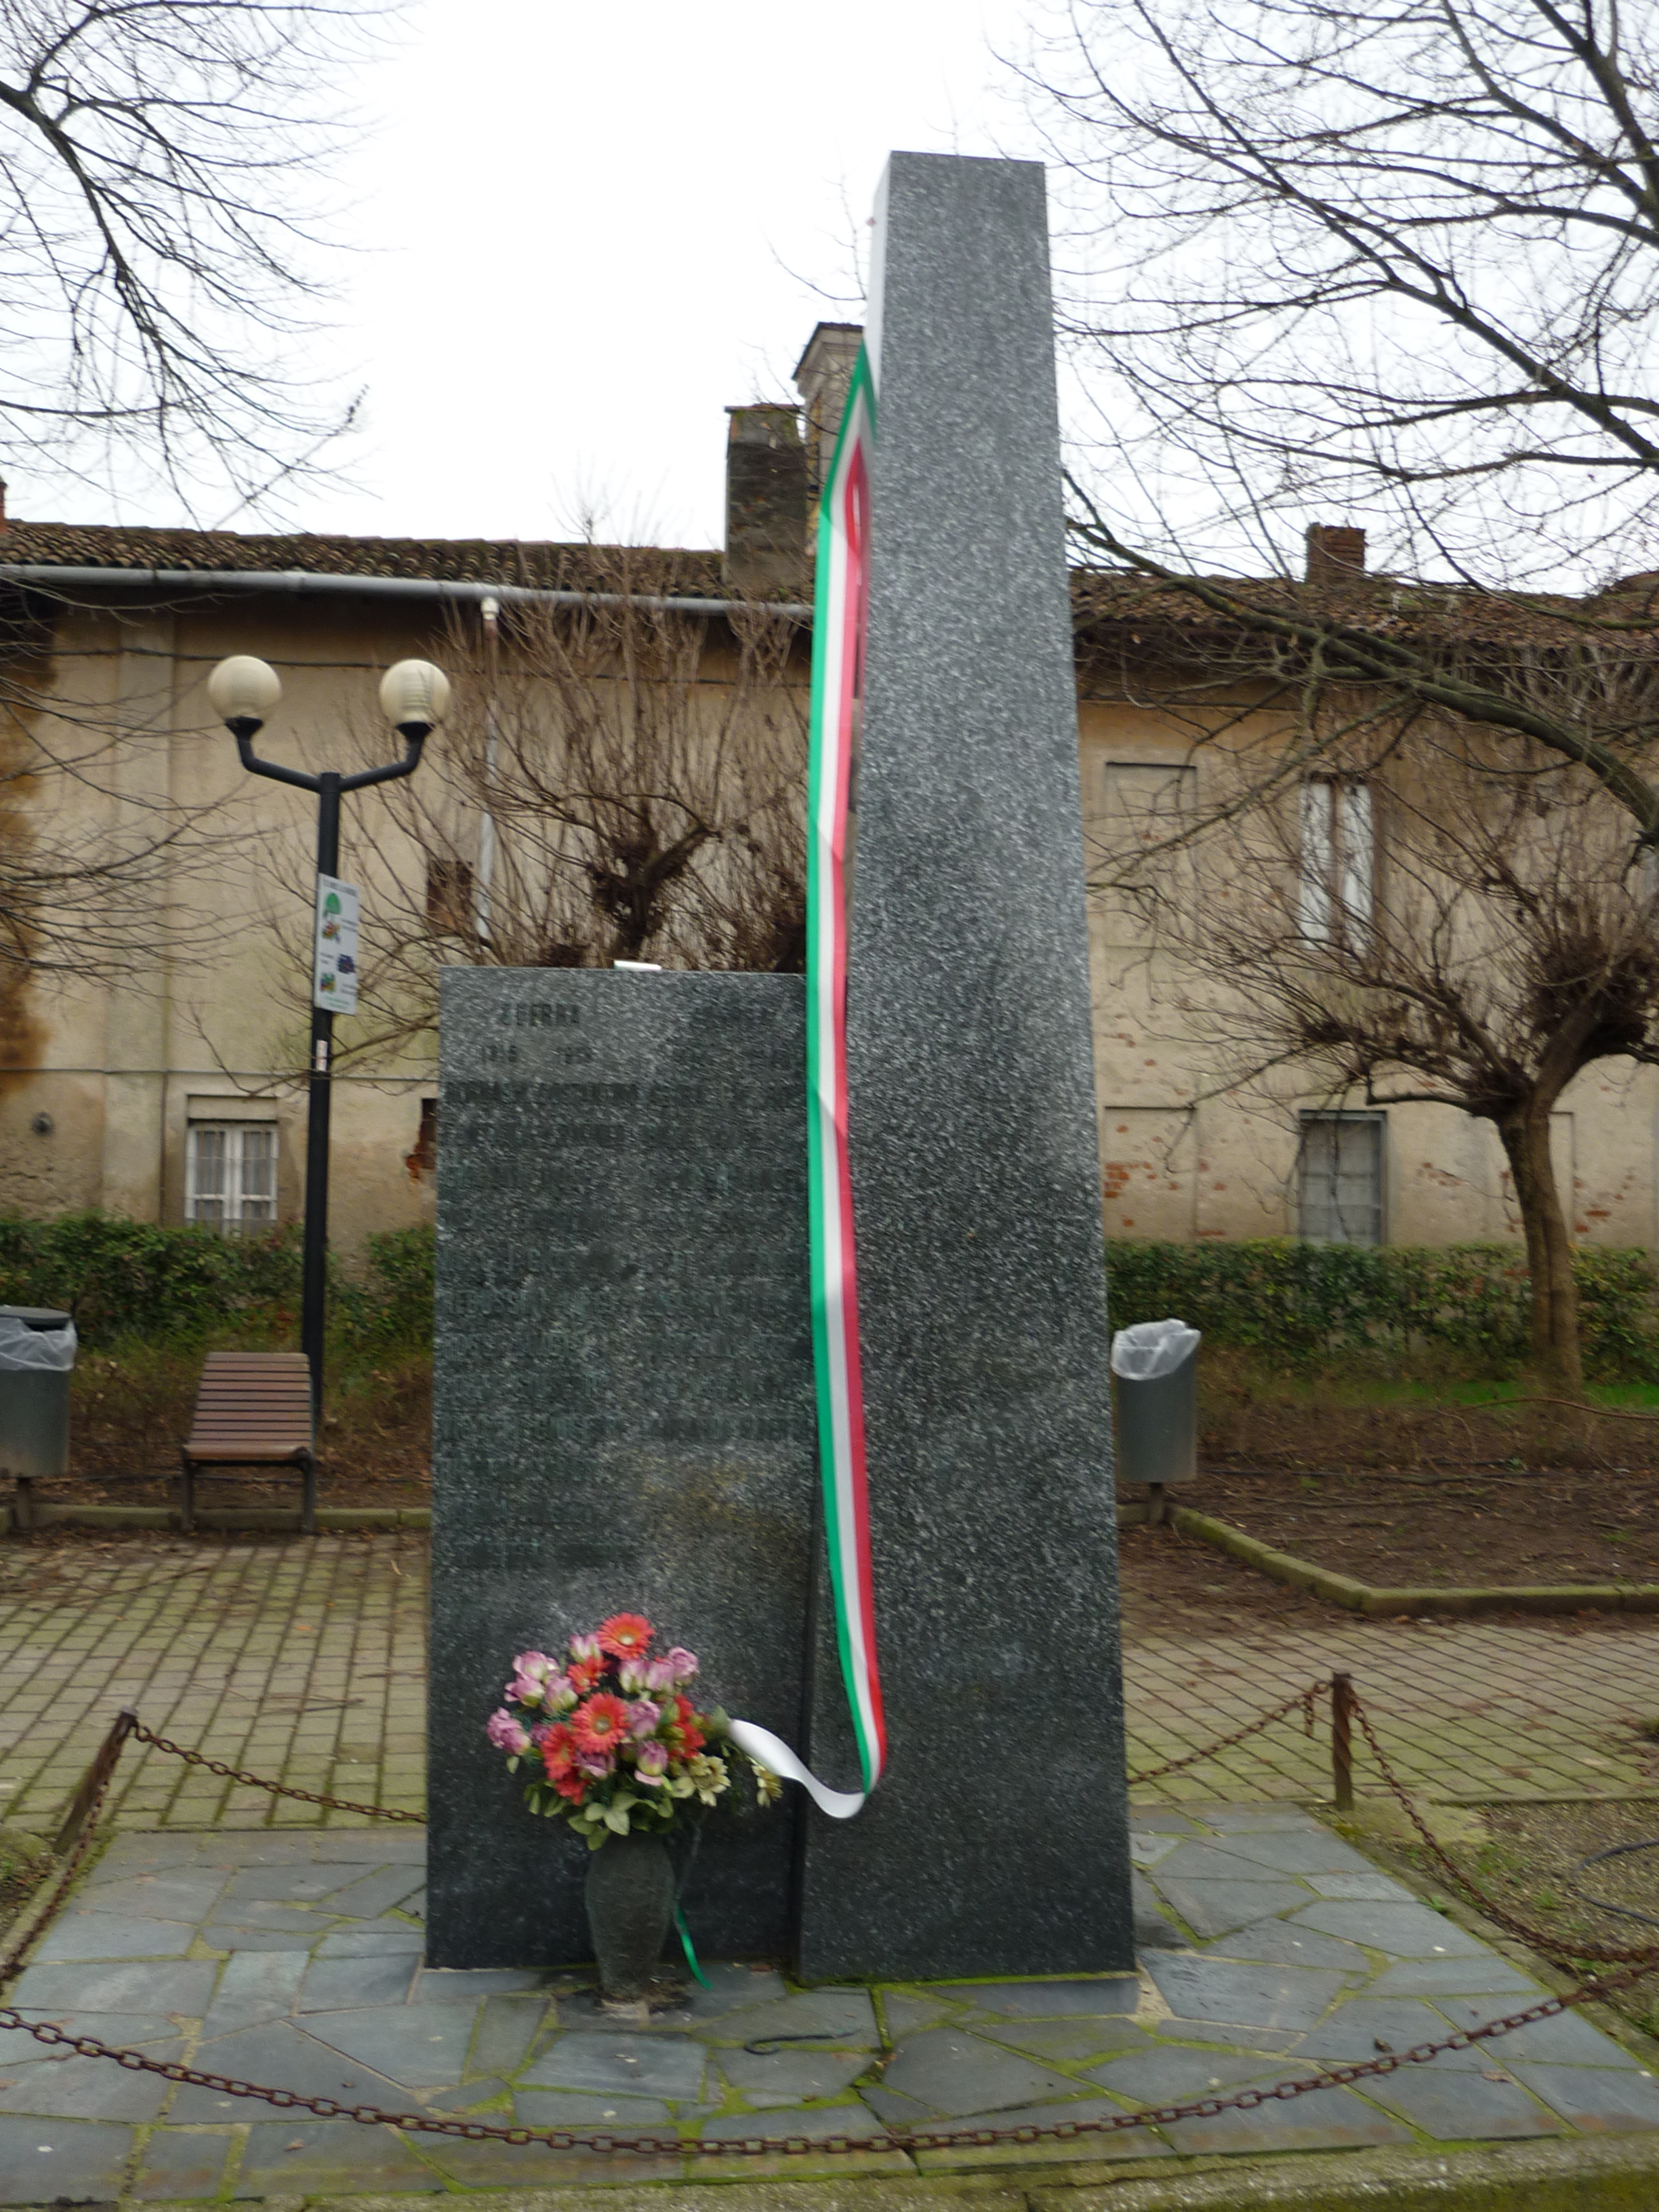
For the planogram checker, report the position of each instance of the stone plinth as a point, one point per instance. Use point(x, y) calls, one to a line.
point(625, 1407)
point(997, 1843)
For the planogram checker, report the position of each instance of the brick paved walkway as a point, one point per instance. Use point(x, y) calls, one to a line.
point(301, 1659)
point(1470, 1711)
point(306, 1660)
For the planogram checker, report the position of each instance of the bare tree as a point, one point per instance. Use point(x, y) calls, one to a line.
point(1464, 930)
point(1401, 263)
point(161, 163)
point(1397, 258)
point(160, 167)
point(618, 781)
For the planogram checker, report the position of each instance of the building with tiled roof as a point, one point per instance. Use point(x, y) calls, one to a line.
point(118, 1086)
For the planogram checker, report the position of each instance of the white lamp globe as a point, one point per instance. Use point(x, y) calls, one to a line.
point(414, 693)
point(243, 688)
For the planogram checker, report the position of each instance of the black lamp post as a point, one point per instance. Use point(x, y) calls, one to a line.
point(414, 696)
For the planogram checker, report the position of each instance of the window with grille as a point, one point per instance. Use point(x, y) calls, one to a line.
point(1335, 897)
point(1341, 1178)
point(230, 1174)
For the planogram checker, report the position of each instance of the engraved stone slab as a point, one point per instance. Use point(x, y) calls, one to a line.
point(997, 1842)
point(624, 1406)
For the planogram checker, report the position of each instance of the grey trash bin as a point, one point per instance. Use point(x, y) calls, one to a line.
point(37, 1355)
point(1156, 1366)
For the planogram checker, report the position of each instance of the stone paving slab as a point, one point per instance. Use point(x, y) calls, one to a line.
point(533, 2048)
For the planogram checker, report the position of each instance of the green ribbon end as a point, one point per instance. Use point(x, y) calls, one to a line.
point(691, 1955)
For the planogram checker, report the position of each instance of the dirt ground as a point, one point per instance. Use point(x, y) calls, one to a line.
point(1469, 1525)
point(1172, 1583)
point(1251, 1415)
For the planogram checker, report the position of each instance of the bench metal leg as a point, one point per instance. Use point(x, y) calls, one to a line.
point(308, 1498)
point(186, 1494)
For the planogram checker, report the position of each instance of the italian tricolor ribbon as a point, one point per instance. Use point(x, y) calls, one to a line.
point(838, 638)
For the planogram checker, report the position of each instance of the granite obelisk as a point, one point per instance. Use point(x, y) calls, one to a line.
point(996, 1842)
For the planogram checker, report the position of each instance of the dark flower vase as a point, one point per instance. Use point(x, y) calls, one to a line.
point(630, 1902)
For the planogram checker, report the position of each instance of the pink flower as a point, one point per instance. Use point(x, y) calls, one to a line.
point(530, 1678)
point(560, 1694)
point(632, 1674)
point(585, 1649)
point(684, 1663)
point(505, 1733)
point(642, 1716)
point(659, 1674)
point(597, 1763)
point(651, 1764)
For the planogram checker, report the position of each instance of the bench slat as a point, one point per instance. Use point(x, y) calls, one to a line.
point(252, 1408)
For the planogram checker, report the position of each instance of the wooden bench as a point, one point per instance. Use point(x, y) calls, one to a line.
point(254, 1409)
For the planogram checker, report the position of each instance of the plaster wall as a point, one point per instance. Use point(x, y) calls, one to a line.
point(213, 1007)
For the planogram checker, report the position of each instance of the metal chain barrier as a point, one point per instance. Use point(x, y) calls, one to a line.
point(1538, 1939)
point(276, 1788)
point(1302, 1697)
point(901, 2139)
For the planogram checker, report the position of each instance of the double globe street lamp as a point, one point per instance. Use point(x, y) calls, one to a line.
point(414, 698)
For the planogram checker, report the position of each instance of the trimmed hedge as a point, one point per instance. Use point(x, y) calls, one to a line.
point(1303, 1301)
point(1294, 1301)
point(128, 1279)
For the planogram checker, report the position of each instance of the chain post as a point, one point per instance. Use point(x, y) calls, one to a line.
point(1342, 1702)
point(94, 1780)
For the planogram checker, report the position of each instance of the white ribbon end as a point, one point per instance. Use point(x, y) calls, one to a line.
point(770, 1752)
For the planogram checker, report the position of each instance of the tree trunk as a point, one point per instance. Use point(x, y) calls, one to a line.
point(1555, 1351)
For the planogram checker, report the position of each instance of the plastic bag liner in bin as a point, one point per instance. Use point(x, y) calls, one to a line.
point(28, 1348)
point(1157, 1370)
point(1152, 1349)
point(36, 1351)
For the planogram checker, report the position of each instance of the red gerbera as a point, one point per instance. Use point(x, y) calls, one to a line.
point(572, 1785)
point(683, 1730)
point(625, 1635)
point(601, 1723)
point(558, 1748)
point(584, 1673)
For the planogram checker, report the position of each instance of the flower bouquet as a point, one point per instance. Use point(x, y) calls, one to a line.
point(613, 1743)
point(614, 1746)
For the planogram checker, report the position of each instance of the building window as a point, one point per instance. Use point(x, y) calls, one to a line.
point(1340, 1171)
point(449, 895)
point(230, 1174)
point(1145, 806)
point(1335, 903)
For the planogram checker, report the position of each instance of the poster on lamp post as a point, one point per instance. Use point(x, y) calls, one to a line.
point(334, 972)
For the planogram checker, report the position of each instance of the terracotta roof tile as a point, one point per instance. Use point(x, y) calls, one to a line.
point(671, 570)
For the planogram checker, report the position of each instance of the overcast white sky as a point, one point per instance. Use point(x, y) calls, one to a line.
point(584, 231)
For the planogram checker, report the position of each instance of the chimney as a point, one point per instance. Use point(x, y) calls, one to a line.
point(5, 523)
point(765, 502)
point(1336, 553)
point(821, 376)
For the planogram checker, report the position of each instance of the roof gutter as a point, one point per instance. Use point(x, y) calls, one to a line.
point(301, 581)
